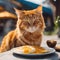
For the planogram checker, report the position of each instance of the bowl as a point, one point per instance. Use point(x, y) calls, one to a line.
point(51, 43)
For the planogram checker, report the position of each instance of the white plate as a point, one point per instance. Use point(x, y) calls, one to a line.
point(17, 53)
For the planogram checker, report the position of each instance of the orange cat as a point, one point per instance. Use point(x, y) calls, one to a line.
point(29, 29)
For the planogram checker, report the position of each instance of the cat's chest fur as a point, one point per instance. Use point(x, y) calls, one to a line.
point(29, 38)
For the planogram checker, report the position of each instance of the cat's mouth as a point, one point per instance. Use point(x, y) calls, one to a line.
point(32, 29)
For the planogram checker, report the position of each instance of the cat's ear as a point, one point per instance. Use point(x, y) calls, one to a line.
point(18, 12)
point(39, 9)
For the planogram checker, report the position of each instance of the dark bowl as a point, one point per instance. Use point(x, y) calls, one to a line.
point(51, 43)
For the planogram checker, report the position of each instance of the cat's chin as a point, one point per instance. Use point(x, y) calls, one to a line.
point(30, 31)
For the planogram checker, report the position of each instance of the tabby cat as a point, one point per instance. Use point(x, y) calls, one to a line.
point(29, 29)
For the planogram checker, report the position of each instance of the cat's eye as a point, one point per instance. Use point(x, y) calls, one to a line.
point(26, 23)
point(36, 22)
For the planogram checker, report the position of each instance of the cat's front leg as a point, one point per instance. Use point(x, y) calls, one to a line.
point(4, 46)
point(8, 42)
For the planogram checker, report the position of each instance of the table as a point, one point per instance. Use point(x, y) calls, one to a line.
point(9, 54)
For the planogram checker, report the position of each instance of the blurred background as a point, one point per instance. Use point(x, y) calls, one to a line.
point(51, 14)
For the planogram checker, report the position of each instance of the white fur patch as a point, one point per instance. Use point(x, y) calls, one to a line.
point(32, 29)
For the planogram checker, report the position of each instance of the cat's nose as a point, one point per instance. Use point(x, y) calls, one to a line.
point(32, 29)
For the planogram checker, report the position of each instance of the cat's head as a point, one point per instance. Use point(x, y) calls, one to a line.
point(30, 20)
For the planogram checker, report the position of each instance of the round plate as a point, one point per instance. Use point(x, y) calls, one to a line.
point(33, 56)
